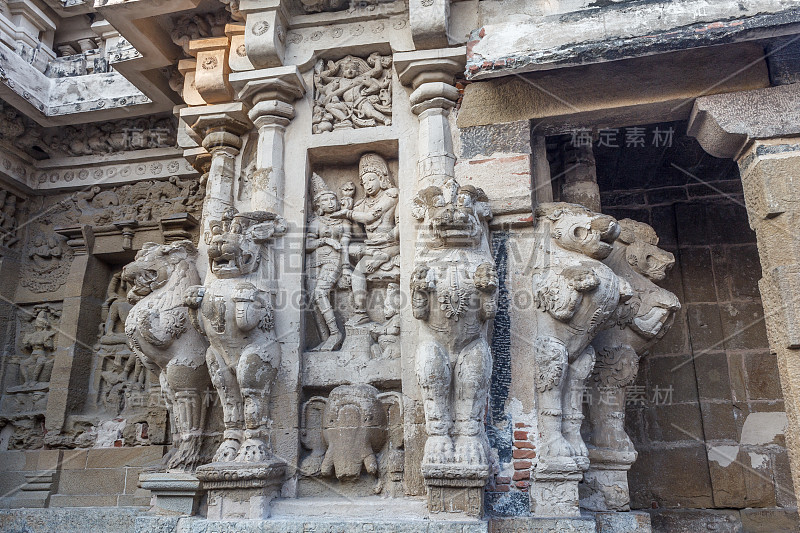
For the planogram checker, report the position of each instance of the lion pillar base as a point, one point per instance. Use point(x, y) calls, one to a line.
point(455, 488)
point(241, 490)
point(173, 492)
point(555, 494)
point(605, 484)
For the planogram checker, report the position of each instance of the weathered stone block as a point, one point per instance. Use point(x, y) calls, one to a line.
point(769, 520)
point(83, 500)
point(713, 381)
point(705, 326)
point(677, 422)
point(583, 524)
point(743, 325)
point(121, 457)
point(106, 481)
point(763, 381)
point(692, 521)
point(721, 421)
point(671, 372)
point(697, 275)
point(74, 459)
point(687, 486)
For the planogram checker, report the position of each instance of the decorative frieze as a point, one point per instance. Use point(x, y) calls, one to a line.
point(352, 93)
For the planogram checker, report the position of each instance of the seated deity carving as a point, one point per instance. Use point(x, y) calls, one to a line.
point(39, 344)
point(377, 213)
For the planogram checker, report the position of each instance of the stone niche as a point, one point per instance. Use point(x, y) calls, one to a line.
point(352, 422)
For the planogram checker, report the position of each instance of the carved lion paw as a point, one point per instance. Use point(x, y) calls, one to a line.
point(227, 451)
point(253, 451)
point(557, 446)
point(186, 457)
point(471, 451)
point(438, 450)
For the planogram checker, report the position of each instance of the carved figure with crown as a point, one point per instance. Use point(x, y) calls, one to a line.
point(377, 213)
point(327, 242)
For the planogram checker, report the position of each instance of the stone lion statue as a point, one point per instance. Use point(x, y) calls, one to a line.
point(575, 294)
point(454, 293)
point(234, 311)
point(161, 335)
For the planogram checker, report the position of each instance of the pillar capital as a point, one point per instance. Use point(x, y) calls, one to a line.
point(726, 124)
point(219, 126)
point(427, 66)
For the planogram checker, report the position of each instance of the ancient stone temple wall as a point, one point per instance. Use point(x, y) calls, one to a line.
point(468, 266)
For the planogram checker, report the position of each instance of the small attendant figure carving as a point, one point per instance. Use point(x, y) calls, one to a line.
point(387, 335)
point(377, 213)
point(575, 294)
point(234, 311)
point(327, 241)
point(454, 292)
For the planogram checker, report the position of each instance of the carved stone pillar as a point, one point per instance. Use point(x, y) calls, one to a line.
point(453, 376)
point(580, 177)
point(760, 129)
point(220, 128)
point(84, 292)
point(431, 74)
point(270, 92)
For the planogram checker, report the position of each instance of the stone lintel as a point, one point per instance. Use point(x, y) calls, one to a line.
point(724, 124)
point(636, 91)
point(606, 34)
point(415, 68)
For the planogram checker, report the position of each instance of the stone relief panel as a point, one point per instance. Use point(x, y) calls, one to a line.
point(160, 332)
point(120, 378)
point(352, 93)
point(235, 312)
point(352, 275)
point(356, 436)
point(453, 295)
point(46, 258)
point(27, 375)
point(85, 139)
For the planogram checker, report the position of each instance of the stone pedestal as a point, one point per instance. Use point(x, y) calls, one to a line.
point(455, 488)
point(605, 484)
point(173, 493)
point(241, 490)
point(555, 494)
